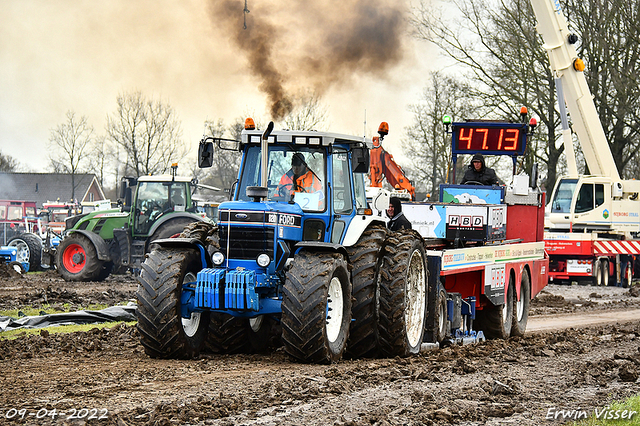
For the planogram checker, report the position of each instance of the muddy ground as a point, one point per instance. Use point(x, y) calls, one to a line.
point(104, 377)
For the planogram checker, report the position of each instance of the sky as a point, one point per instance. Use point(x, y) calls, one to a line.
point(195, 55)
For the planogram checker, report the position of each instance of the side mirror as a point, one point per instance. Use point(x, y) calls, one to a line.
point(360, 159)
point(205, 153)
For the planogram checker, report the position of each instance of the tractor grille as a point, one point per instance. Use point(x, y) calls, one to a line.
point(247, 242)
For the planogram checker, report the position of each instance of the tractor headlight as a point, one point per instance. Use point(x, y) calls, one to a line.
point(263, 260)
point(217, 258)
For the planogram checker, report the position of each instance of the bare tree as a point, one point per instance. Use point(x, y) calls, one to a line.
point(308, 113)
point(148, 132)
point(426, 143)
point(8, 163)
point(69, 145)
point(497, 44)
point(224, 170)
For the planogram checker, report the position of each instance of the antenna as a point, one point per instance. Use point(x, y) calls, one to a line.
point(245, 11)
point(364, 135)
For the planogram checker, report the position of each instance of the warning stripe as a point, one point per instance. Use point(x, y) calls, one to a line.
point(616, 247)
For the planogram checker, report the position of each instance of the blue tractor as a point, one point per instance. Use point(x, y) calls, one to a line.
point(9, 256)
point(297, 250)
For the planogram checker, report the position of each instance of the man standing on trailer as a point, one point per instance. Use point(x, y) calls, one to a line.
point(398, 220)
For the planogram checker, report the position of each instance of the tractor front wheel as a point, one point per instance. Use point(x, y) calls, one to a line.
point(164, 333)
point(77, 259)
point(316, 307)
point(29, 250)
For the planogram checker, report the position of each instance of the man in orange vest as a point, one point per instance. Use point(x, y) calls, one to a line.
point(299, 178)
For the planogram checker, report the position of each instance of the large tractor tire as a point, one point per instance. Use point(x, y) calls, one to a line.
point(437, 320)
point(29, 250)
point(316, 307)
point(163, 331)
point(77, 259)
point(496, 321)
point(365, 258)
point(403, 294)
point(521, 306)
point(232, 335)
point(167, 230)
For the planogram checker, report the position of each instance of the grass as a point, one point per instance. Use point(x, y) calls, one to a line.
point(615, 408)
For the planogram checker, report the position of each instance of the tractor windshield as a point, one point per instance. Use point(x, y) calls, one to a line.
point(155, 199)
point(297, 176)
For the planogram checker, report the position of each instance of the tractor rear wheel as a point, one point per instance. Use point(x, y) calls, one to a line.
point(365, 258)
point(496, 321)
point(521, 307)
point(29, 250)
point(77, 259)
point(164, 333)
point(167, 230)
point(403, 294)
point(316, 307)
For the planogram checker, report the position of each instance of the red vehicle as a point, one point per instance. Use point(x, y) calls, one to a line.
point(17, 217)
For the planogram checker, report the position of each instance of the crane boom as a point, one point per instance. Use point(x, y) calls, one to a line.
point(558, 43)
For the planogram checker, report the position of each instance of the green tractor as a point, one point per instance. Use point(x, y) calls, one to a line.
point(101, 242)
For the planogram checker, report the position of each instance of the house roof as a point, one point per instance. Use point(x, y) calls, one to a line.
point(43, 187)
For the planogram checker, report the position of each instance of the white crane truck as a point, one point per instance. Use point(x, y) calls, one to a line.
point(592, 221)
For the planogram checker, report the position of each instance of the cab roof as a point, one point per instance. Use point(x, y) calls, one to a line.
point(306, 138)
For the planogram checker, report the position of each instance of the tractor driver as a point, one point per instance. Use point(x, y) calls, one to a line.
point(299, 178)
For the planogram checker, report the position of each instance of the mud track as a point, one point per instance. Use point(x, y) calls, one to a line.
point(518, 381)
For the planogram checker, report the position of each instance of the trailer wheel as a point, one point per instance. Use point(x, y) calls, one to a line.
point(163, 331)
point(403, 295)
point(496, 320)
point(232, 335)
point(437, 320)
point(316, 307)
point(29, 250)
point(604, 267)
point(365, 258)
point(521, 307)
point(77, 259)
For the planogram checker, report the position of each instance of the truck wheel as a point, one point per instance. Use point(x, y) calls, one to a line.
point(403, 295)
point(29, 250)
point(521, 307)
point(437, 320)
point(605, 272)
point(597, 272)
point(77, 259)
point(232, 335)
point(365, 258)
point(316, 307)
point(163, 331)
point(496, 320)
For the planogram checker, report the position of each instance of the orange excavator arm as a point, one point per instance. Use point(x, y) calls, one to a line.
point(382, 165)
